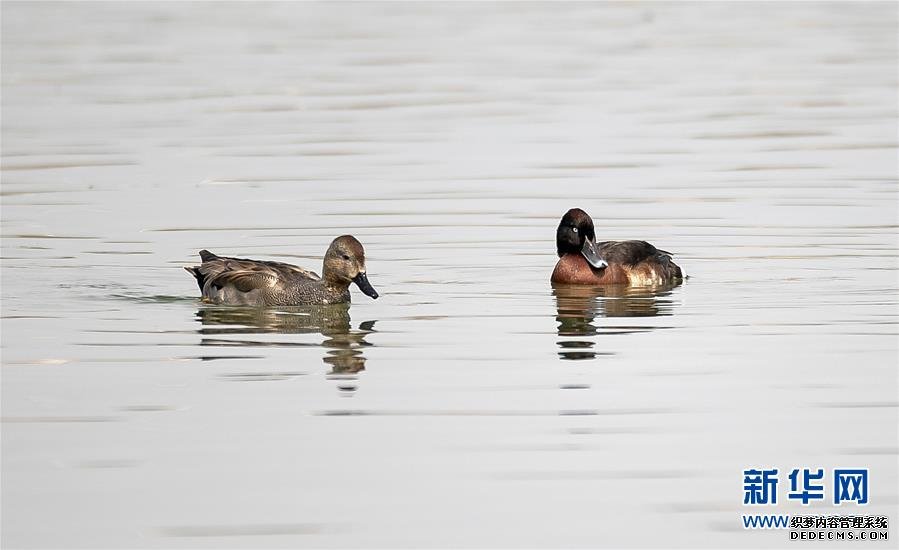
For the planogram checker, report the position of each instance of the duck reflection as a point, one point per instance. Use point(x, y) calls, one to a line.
point(343, 345)
point(578, 306)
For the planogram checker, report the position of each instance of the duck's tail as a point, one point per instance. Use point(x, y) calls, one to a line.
point(196, 273)
point(671, 269)
point(206, 256)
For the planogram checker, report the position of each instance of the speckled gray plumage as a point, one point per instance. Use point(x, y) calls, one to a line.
point(238, 281)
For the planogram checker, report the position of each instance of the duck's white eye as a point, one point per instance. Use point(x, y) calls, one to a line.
point(574, 229)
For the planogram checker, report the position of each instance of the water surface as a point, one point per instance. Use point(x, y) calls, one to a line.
point(472, 405)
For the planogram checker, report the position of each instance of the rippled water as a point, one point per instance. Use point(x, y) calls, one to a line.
point(472, 404)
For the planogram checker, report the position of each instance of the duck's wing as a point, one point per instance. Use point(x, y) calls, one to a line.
point(630, 252)
point(245, 275)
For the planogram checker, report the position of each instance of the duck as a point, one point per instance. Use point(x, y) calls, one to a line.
point(583, 261)
point(243, 282)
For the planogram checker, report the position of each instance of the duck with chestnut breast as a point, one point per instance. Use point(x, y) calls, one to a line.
point(241, 282)
point(583, 261)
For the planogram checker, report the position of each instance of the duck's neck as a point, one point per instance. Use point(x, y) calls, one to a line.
point(333, 281)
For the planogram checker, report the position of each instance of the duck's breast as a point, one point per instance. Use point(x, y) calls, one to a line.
point(300, 291)
point(573, 269)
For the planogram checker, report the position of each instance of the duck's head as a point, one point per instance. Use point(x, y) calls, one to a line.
point(345, 263)
point(576, 235)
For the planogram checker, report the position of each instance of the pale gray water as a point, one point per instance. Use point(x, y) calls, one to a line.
point(469, 405)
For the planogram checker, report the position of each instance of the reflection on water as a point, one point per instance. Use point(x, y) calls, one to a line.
point(344, 349)
point(327, 320)
point(344, 346)
point(577, 307)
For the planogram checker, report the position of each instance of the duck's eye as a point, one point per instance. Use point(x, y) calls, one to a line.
point(345, 257)
point(574, 229)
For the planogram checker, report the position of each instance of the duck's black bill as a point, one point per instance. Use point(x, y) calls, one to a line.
point(361, 281)
point(591, 254)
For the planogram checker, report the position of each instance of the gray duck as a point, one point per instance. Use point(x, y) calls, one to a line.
point(238, 281)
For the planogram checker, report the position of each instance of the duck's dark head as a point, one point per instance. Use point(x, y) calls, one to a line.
point(576, 235)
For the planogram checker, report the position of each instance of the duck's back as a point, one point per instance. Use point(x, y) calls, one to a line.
point(643, 263)
point(240, 281)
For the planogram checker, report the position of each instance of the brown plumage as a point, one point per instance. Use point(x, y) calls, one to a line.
point(238, 281)
point(583, 261)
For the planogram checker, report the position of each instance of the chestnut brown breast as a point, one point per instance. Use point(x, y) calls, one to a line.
point(574, 269)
